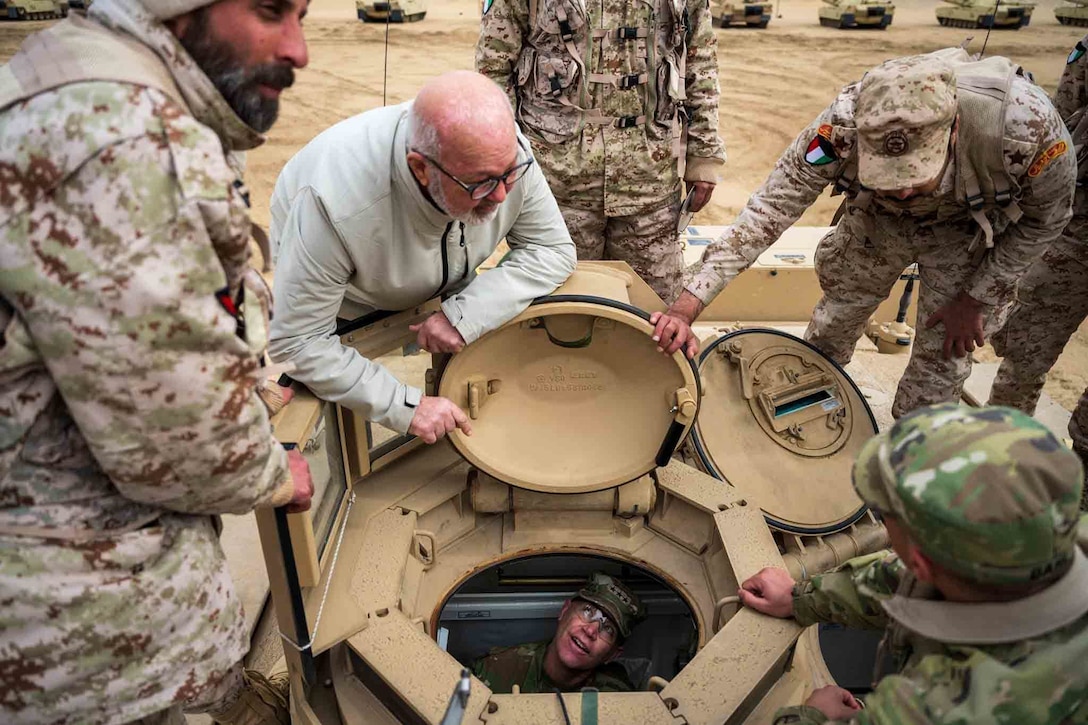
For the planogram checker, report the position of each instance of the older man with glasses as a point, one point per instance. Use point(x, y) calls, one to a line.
point(398, 205)
point(592, 627)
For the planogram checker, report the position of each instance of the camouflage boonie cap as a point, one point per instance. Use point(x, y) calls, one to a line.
point(988, 493)
point(904, 115)
point(615, 600)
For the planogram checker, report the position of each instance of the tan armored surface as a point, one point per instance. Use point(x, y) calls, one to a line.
point(727, 13)
point(861, 14)
point(590, 451)
point(1000, 15)
point(33, 9)
point(393, 11)
point(1074, 14)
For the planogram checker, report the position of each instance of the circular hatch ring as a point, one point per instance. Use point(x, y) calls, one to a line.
point(708, 465)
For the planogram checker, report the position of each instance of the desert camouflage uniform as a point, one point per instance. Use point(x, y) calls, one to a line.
point(1053, 296)
point(605, 124)
point(945, 460)
point(127, 408)
point(523, 665)
point(860, 261)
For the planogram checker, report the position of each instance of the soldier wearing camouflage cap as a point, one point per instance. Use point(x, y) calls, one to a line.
point(592, 628)
point(961, 166)
point(985, 597)
point(132, 334)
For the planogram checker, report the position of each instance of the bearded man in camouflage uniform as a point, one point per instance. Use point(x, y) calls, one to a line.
point(984, 596)
point(1053, 296)
point(133, 328)
point(592, 628)
point(961, 166)
point(620, 103)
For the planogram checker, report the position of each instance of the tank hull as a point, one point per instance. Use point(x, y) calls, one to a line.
point(863, 16)
point(33, 9)
point(393, 11)
point(1072, 15)
point(743, 15)
point(1007, 17)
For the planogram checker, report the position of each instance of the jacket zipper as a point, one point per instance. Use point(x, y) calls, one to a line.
point(445, 261)
point(464, 245)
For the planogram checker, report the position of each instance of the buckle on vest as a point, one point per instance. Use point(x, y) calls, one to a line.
point(628, 81)
point(565, 31)
point(626, 33)
point(556, 87)
point(1002, 198)
point(975, 202)
point(626, 122)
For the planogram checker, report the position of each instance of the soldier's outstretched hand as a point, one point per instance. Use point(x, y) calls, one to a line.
point(835, 702)
point(672, 328)
point(769, 591)
point(962, 318)
point(436, 334)
point(302, 481)
point(435, 417)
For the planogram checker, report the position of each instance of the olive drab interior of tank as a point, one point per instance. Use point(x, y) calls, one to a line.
point(411, 543)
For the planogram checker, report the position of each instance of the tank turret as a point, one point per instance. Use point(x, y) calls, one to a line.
point(395, 11)
point(1075, 13)
point(857, 14)
point(753, 14)
point(999, 15)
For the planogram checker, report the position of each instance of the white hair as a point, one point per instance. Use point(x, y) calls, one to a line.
point(424, 135)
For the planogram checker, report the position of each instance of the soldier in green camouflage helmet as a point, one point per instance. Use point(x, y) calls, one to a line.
point(131, 335)
point(985, 598)
point(592, 628)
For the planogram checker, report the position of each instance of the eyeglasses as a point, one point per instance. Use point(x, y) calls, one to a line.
point(483, 189)
point(590, 613)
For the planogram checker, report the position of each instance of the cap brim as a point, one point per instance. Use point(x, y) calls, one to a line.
point(920, 165)
point(868, 480)
point(608, 608)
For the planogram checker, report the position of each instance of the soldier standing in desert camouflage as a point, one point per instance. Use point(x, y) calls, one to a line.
point(983, 599)
point(132, 330)
point(620, 102)
point(963, 167)
point(1053, 296)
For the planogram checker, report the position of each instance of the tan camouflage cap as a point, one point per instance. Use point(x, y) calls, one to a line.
point(615, 600)
point(989, 493)
point(904, 114)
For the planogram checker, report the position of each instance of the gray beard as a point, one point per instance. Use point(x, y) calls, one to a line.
point(471, 218)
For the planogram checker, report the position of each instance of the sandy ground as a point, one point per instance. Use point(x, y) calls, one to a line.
point(774, 82)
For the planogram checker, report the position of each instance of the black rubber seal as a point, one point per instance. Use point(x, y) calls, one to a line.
point(710, 468)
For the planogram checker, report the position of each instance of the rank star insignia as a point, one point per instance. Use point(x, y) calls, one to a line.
point(1076, 54)
point(1016, 158)
point(896, 143)
point(820, 151)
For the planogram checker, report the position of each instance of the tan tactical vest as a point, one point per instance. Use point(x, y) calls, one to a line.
point(983, 180)
point(555, 86)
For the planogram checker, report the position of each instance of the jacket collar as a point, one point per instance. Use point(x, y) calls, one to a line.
point(203, 99)
point(404, 182)
point(1060, 604)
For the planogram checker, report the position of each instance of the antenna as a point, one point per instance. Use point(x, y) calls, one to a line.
point(993, 19)
point(385, 63)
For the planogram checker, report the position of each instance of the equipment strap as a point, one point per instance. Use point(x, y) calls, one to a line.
point(620, 80)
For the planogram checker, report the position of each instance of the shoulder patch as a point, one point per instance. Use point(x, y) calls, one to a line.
point(1076, 54)
point(1046, 157)
point(820, 150)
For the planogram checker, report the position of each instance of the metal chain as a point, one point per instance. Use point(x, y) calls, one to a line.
point(328, 581)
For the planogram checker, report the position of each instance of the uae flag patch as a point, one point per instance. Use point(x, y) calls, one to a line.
point(1076, 54)
point(820, 151)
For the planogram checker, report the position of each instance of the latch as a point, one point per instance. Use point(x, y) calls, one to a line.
point(478, 392)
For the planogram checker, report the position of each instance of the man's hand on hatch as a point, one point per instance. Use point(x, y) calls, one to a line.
point(834, 702)
point(435, 417)
point(769, 591)
point(303, 482)
point(436, 334)
point(962, 318)
point(672, 328)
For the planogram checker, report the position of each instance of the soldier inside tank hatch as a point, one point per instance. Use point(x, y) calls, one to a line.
point(984, 598)
point(963, 167)
point(396, 206)
point(592, 628)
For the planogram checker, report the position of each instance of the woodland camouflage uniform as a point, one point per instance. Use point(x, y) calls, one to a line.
point(992, 496)
point(1011, 157)
point(1052, 300)
point(607, 93)
point(128, 417)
